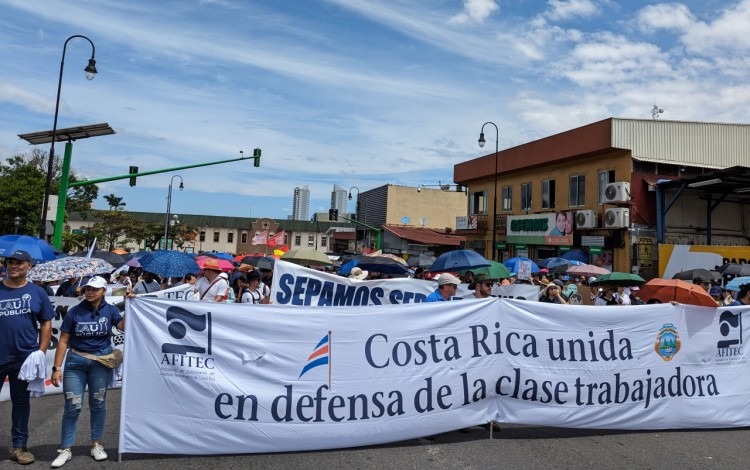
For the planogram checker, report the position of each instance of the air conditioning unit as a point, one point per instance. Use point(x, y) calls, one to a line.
point(618, 217)
point(587, 219)
point(617, 192)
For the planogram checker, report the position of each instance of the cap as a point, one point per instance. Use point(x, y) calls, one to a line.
point(448, 278)
point(715, 291)
point(97, 282)
point(358, 273)
point(252, 275)
point(481, 277)
point(20, 255)
point(591, 279)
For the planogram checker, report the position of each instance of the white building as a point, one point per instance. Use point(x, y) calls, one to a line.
point(339, 199)
point(301, 203)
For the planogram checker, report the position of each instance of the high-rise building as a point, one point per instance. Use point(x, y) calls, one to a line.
point(301, 203)
point(339, 199)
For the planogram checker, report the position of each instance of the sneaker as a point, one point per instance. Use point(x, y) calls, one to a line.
point(63, 456)
point(21, 455)
point(97, 452)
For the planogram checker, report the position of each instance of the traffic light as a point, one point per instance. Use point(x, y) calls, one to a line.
point(133, 171)
point(333, 214)
point(256, 156)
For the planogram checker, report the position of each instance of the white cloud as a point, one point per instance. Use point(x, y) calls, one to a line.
point(674, 16)
point(475, 12)
point(561, 10)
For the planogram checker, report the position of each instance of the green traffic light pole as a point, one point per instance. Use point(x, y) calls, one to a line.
point(377, 230)
point(64, 185)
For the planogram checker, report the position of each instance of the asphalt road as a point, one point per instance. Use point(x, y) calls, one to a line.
point(516, 446)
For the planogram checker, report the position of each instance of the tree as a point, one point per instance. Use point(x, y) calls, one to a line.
point(114, 225)
point(115, 203)
point(153, 232)
point(22, 183)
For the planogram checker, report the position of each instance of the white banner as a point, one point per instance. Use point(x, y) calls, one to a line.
point(230, 378)
point(181, 292)
point(297, 285)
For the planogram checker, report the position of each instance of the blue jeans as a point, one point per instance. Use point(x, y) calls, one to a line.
point(19, 397)
point(81, 372)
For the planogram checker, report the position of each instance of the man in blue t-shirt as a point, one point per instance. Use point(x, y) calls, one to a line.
point(23, 305)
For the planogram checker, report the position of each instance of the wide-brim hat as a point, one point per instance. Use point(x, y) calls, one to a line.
point(211, 265)
point(358, 273)
point(549, 286)
point(481, 277)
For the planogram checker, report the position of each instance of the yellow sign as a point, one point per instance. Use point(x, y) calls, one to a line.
point(645, 249)
point(676, 258)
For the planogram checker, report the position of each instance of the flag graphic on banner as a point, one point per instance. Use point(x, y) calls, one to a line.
point(275, 240)
point(260, 238)
point(320, 356)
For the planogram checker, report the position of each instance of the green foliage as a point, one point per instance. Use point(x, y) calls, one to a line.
point(115, 203)
point(112, 226)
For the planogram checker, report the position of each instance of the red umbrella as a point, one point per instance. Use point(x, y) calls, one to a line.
point(225, 265)
point(667, 290)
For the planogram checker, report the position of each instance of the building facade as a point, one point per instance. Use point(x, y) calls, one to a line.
point(301, 203)
point(339, 199)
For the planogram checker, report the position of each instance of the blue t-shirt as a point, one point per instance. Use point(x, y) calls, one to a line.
point(436, 296)
point(90, 330)
point(21, 309)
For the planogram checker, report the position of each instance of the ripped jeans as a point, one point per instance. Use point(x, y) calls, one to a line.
point(80, 372)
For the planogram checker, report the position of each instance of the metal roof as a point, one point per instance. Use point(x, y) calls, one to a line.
point(69, 133)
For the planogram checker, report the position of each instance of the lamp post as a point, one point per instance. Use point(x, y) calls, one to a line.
point(17, 223)
point(494, 196)
point(169, 208)
point(356, 211)
point(90, 73)
point(175, 221)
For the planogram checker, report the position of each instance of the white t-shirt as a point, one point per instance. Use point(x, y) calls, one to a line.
point(143, 287)
point(251, 297)
point(218, 289)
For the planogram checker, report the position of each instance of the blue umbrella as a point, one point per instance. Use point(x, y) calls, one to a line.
point(169, 263)
point(458, 260)
point(382, 264)
point(556, 262)
point(734, 284)
point(512, 264)
point(225, 256)
point(346, 268)
point(39, 249)
point(576, 255)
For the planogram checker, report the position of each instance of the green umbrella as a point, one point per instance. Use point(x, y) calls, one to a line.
point(620, 279)
point(495, 270)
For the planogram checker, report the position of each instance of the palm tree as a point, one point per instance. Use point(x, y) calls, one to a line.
point(114, 202)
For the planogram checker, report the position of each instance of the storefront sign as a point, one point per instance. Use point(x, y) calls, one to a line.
point(541, 229)
point(676, 258)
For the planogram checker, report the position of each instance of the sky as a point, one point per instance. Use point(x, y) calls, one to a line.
point(355, 93)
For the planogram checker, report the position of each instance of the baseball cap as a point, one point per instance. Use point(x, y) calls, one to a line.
point(97, 282)
point(20, 255)
point(448, 278)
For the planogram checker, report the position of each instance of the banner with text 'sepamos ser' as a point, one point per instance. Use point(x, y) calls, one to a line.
point(206, 378)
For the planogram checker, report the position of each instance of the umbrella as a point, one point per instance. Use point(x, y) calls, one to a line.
point(495, 271)
point(692, 274)
point(307, 256)
point(393, 257)
point(421, 261)
point(587, 270)
point(458, 260)
point(169, 263)
point(224, 265)
point(112, 258)
point(557, 262)
point(381, 264)
point(667, 290)
point(39, 249)
point(512, 264)
point(734, 269)
point(65, 268)
point(225, 256)
point(576, 255)
point(120, 252)
point(619, 279)
point(737, 282)
point(266, 262)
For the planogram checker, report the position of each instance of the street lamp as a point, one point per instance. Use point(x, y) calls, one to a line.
point(17, 223)
point(494, 196)
point(175, 221)
point(90, 73)
point(169, 208)
point(356, 211)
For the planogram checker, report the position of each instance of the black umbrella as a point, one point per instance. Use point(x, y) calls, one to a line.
point(692, 274)
point(112, 258)
point(734, 269)
point(381, 264)
point(422, 261)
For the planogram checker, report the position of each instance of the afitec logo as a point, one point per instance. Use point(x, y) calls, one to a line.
point(192, 328)
point(730, 327)
point(667, 342)
point(320, 356)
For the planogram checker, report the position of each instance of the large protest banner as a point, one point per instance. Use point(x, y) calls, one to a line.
point(297, 285)
point(204, 378)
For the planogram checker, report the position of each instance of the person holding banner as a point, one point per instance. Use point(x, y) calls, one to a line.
point(85, 334)
point(482, 286)
point(23, 305)
point(212, 287)
point(447, 287)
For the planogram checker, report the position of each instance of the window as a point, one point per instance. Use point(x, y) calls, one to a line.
point(548, 194)
point(507, 198)
point(478, 203)
point(297, 240)
point(243, 237)
point(203, 236)
point(605, 177)
point(324, 241)
point(216, 236)
point(230, 237)
point(577, 191)
point(286, 239)
point(310, 240)
point(525, 196)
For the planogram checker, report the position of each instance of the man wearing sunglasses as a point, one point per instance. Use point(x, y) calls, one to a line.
point(482, 286)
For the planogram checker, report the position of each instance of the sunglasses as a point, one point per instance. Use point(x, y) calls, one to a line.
point(486, 284)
